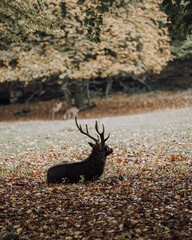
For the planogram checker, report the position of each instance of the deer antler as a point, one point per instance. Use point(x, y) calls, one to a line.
point(87, 131)
point(101, 134)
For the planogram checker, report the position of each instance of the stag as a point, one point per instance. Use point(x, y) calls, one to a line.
point(89, 169)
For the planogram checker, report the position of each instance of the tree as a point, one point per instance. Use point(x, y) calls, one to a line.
point(19, 18)
point(134, 41)
point(183, 51)
point(180, 17)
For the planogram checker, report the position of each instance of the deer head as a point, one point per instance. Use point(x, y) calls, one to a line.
point(99, 144)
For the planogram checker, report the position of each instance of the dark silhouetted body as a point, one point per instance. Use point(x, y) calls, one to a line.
point(89, 169)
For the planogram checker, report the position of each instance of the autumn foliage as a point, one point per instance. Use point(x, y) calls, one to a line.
point(134, 42)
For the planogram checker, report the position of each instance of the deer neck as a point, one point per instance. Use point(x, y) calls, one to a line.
point(99, 155)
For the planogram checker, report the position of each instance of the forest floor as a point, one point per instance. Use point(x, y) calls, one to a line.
point(116, 105)
point(144, 193)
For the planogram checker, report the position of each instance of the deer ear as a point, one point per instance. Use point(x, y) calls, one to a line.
point(91, 144)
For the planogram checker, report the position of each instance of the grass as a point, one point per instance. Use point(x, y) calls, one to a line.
point(144, 193)
point(164, 132)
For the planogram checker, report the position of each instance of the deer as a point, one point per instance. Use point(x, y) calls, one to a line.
point(89, 169)
point(56, 108)
point(71, 113)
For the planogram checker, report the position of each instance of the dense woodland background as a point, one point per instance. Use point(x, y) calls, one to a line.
point(136, 53)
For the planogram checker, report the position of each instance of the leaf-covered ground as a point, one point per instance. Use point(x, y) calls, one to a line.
point(116, 105)
point(145, 192)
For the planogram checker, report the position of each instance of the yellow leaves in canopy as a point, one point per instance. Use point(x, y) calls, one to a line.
point(132, 42)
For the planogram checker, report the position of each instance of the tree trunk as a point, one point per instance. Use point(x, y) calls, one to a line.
point(108, 87)
point(125, 88)
point(67, 94)
point(142, 79)
point(79, 95)
point(88, 93)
